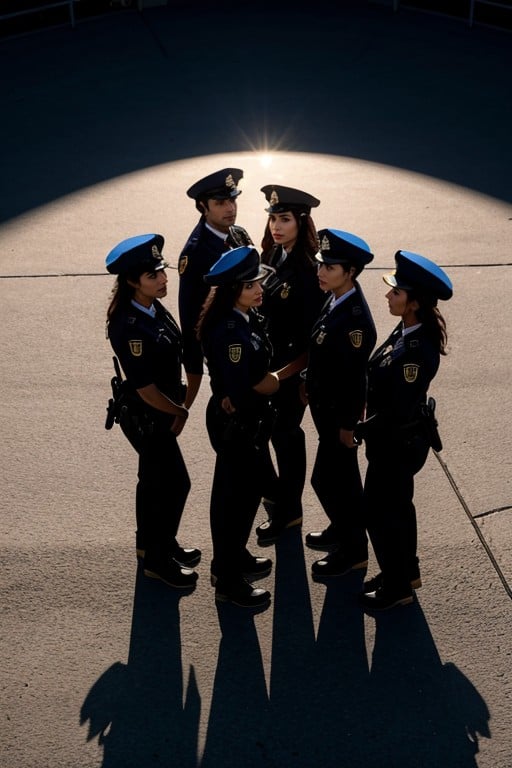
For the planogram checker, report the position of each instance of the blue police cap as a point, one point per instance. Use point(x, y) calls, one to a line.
point(240, 265)
point(417, 272)
point(142, 253)
point(338, 247)
point(220, 185)
point(283, 199)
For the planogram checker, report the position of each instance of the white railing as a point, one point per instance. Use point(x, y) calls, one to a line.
point(45, 7)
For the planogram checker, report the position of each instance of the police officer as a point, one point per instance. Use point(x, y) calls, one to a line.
point(147, 341)
point(341, 342)
point(291, 304)
point(238, 418)
point(400, 426)
point(216, 199)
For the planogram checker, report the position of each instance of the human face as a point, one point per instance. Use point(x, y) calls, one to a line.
point(284, 229)
point(150, 286)
point(220, 214)
point(400, 306)
point(333, 277)
point(251, 296)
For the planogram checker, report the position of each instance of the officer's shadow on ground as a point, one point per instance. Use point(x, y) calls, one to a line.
point(328, 703)
point(136, 710)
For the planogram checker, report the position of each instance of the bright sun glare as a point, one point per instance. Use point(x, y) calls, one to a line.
point(265, 160)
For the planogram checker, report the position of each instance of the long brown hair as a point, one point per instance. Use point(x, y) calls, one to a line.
point(307, 240)
point(122, 292)
point(431, 318)
point(220, 301)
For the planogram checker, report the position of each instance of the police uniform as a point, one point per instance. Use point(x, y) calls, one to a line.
point(238, 355)
point(292, 302)
point(148, 344)
point(202, 249)
point(341, 342)
point(397, 437)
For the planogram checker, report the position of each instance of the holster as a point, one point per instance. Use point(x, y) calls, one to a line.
point(124, 408)
point(254, 429)
point(430, 424)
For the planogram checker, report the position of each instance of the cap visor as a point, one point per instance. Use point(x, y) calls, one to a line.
point(390, 280)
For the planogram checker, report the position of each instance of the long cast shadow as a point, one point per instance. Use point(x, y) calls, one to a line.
point(424, 712)
point(132, 90)
point(328, 705)
point(136, 710)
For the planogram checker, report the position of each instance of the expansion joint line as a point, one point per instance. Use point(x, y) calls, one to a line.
point(475, 525)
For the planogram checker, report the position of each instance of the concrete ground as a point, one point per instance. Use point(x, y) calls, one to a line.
point(401, 125)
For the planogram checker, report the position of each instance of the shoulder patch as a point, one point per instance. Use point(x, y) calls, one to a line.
point(182, 264)
point(356, 338)
point(135, 347)
point(411, 371)
point(235, 352)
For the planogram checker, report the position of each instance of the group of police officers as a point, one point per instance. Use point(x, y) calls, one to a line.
point(279, 330)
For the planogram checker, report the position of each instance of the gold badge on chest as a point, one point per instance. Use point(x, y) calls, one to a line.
point(235, 352)
point(135, 347)
point(285, 291)
point(356, 338)
point(411, 371)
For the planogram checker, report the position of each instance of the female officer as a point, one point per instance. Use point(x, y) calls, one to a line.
point(147, 341)
point(238, 418)
point(341, 342)
point(291, 304)
point(399, 427)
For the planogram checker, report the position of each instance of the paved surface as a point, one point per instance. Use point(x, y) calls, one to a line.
point(401, 125)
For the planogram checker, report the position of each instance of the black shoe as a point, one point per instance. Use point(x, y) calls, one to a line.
point(326, 539)
point(187, 556)
point(338, 564)
point(383, 599)
point(257, 567)
point(172, 574)
point(254, 568)
point(242, 593)
point(377, 581)
point(271, 530)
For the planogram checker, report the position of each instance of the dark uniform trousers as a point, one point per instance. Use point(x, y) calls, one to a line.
point(236, 491)
point(393, 530)
point(336, 480)
point(162, 490)
point(289, 443)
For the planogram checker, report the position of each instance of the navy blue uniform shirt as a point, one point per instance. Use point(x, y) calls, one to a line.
point(238, 355)
point(149, 349)
point(341, 342)
point(291, 304)
point(202, 249)
point(399, 377)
